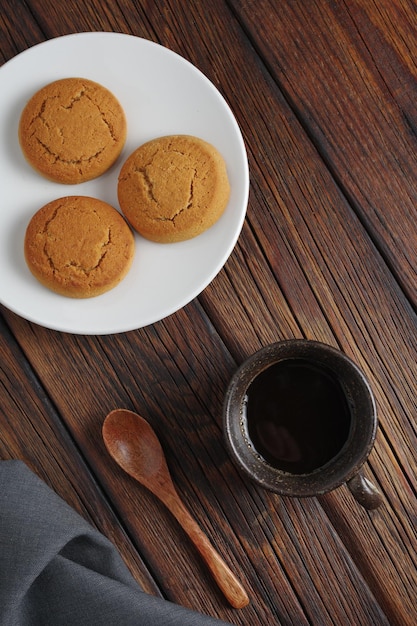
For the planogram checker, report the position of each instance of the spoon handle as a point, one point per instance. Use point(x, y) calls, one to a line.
point(224, 577)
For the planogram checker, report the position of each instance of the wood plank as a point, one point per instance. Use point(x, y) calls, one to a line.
point(31, 430)
point(358, 108)
point(19, 31)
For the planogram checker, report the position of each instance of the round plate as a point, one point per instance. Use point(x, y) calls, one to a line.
point(161, 94)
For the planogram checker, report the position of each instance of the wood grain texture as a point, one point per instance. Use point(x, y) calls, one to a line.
point(357, 104)
point(30, 431)
point(324, 94)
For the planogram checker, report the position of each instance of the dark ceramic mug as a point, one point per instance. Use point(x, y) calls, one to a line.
point(300, 419)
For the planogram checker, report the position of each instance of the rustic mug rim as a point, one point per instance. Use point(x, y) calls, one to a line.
point(343, 466)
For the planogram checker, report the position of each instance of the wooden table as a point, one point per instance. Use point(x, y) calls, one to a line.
point(325, 94)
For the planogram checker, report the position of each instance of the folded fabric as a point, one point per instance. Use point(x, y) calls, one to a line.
point(55, 569)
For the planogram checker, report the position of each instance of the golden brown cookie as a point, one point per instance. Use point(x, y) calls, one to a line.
point(72, 130)
point(173, 188)
point(78, 246)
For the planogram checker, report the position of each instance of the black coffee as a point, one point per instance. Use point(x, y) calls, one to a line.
point(297, 416)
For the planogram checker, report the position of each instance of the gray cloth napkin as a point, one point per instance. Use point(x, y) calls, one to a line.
point(55, 569)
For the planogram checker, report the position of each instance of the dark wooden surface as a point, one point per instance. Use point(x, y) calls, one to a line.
point(325, 94)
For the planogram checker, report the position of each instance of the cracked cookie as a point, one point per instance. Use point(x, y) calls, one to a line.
point(72, 130)
point(173, 188)
point(78, 246)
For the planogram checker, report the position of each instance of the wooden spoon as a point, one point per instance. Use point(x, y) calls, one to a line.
point(133, 444)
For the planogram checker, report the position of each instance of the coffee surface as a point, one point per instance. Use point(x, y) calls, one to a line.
point(297, 416)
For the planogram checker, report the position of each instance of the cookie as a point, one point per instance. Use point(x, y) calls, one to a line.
point(78, 246)
point(173, 188)
point(72, 130)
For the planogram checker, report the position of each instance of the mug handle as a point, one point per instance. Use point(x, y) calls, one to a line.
point(364, 491)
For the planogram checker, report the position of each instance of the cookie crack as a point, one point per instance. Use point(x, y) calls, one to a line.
point(73, 263)
point(40, 114)
point(84, 94)
point(59, 159)
point(93, 268)
point(103, 117)
point(74, 99)
point(87, 270)
point(86, 159)
point(151, 195)
point(142, 171)
point(46, 234)
point(181, 210)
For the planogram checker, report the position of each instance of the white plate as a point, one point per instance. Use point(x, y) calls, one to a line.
point(161, 94)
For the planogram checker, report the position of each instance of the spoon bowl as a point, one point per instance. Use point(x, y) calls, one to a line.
point(133, 444)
